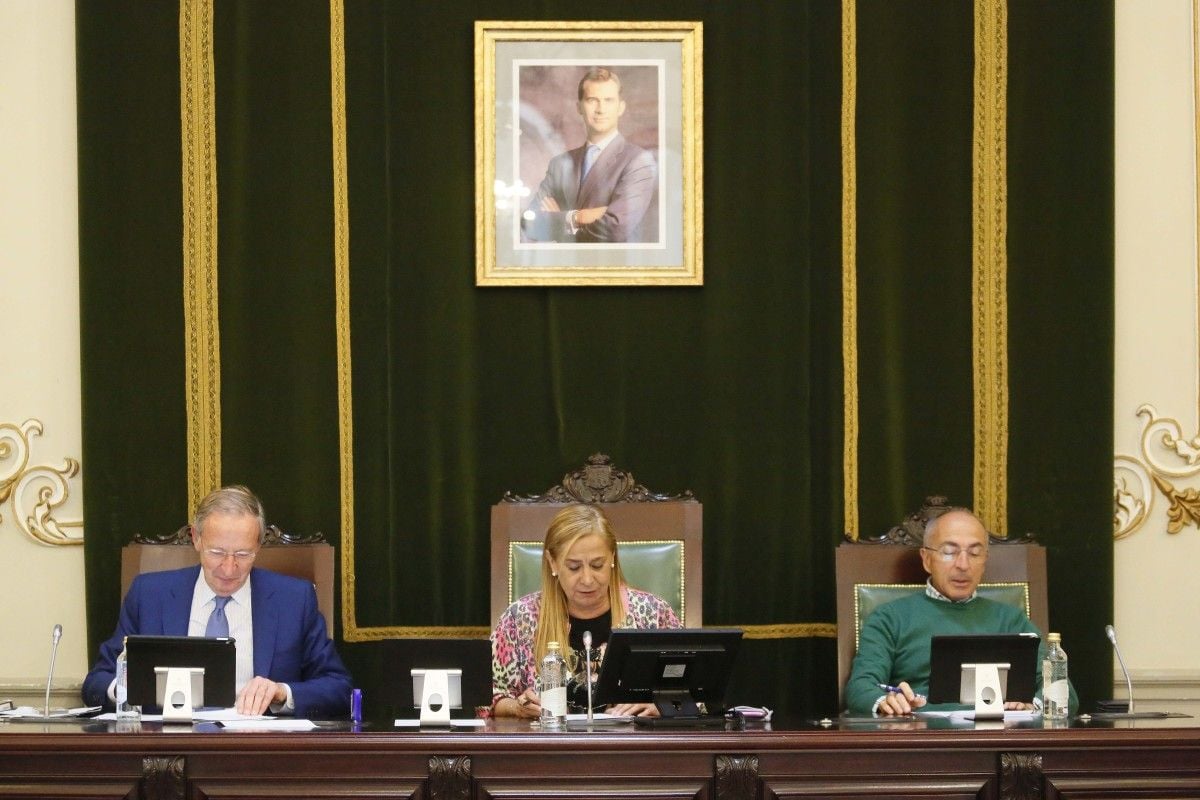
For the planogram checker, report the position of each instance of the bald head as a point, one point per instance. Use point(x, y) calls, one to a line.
point(954, 553)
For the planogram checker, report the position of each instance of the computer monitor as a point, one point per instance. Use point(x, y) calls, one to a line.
point(947, 654)
point(217, 656)
point(675, 669)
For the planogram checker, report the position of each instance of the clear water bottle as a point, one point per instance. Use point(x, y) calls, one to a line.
point(553, 687)
point(1056, 693)
point(124, 710)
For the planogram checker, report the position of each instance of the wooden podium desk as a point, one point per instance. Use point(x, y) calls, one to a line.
point(507, 759)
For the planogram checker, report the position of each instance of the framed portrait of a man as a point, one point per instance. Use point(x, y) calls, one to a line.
point(588, 147)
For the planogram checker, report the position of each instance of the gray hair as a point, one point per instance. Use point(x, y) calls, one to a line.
point(931, 524)
point(235, 500)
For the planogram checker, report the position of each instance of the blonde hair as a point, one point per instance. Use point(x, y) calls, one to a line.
point(554, 622)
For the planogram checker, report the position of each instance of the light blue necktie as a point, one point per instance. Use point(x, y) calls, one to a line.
point(218, 623)
point(589, 158)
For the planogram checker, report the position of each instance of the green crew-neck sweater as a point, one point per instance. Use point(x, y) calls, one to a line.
point(894, 643)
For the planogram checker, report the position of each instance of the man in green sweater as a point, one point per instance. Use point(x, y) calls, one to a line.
point(893, 648)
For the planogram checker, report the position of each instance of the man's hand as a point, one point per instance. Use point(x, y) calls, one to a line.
point(586, 216)
point(900, 703)
point(258, 695)
point(1014, 705)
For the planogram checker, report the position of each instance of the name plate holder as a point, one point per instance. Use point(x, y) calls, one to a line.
point(437, 691)
point(180, 689)
point(984, 685)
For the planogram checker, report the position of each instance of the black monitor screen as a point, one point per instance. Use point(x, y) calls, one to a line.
point(947, 654)
point(668, 666)
point(216, 656)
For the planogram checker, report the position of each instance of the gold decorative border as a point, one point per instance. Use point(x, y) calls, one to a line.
point(341, 289)
point(202, 352)
point(690, 37)
point(1166, 456)
point(849, 269)
point(45, 485)
point(795, 630)
point(990, 263)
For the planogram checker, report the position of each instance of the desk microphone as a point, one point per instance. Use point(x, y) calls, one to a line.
point(587, 660)
point(1111, 633)
point(54, 638)
point(1130, 714)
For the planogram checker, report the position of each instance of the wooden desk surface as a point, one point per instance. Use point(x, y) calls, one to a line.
point(507, 759)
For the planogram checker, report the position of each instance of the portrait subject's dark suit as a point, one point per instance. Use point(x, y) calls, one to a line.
point(624, 178)
point(291, 644)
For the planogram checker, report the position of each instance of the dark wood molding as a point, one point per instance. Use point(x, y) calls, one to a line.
point(274, 536)
point(910, 532)
point(449, 777)
point(598, 481)
point(509, 761)
point(737, 777)
point(163, 778)
point(1021, 776)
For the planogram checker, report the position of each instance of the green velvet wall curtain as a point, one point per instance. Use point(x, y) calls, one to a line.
point(732, 390)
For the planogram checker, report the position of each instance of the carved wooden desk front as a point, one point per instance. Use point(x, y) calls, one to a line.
point(508, 760)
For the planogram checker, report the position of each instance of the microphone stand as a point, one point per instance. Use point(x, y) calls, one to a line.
point(1112, 637)
point(50, 678)
point(587, 664)
point(1111, 633)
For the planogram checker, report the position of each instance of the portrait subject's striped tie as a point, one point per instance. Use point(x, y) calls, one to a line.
point(589, 158)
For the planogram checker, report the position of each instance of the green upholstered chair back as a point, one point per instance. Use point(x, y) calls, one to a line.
point(659, 537)
point(656, 567)
point(870, 596)
point(872, 572)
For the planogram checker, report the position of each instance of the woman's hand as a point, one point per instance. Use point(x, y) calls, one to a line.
point(633, 710)
point(526, 705)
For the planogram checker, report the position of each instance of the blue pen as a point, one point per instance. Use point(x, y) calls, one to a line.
point(887, 687)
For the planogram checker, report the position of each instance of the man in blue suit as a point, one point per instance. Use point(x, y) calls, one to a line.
point(286, 662)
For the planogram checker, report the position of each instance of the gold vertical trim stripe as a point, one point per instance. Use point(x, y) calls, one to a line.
point(202, 352)
point(849, 269)
point(341, 289)
point(990, 263)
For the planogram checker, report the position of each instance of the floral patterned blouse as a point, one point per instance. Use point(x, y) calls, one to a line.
point(513, 667)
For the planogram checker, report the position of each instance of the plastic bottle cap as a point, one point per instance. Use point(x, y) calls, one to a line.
point(1053, 637)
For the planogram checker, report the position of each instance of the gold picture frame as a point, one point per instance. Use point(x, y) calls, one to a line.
point(634, 219)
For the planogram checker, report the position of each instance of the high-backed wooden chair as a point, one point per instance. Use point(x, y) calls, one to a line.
point(659, 537)
point(308, 557)
point(871, 572)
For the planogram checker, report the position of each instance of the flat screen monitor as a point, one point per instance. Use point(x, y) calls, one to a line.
point(216, 656)
point(947, 654)
point(673, 668)
point(453, 686)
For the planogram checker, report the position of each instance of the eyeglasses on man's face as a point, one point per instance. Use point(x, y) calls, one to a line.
point(217, 555)
point(951, 552)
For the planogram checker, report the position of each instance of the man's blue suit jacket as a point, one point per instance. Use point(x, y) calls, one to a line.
point(290, 641)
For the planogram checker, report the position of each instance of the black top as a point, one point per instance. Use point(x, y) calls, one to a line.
point(600, 627)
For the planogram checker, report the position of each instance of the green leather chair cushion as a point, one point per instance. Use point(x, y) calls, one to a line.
point(870, 596)
point(655, 567)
